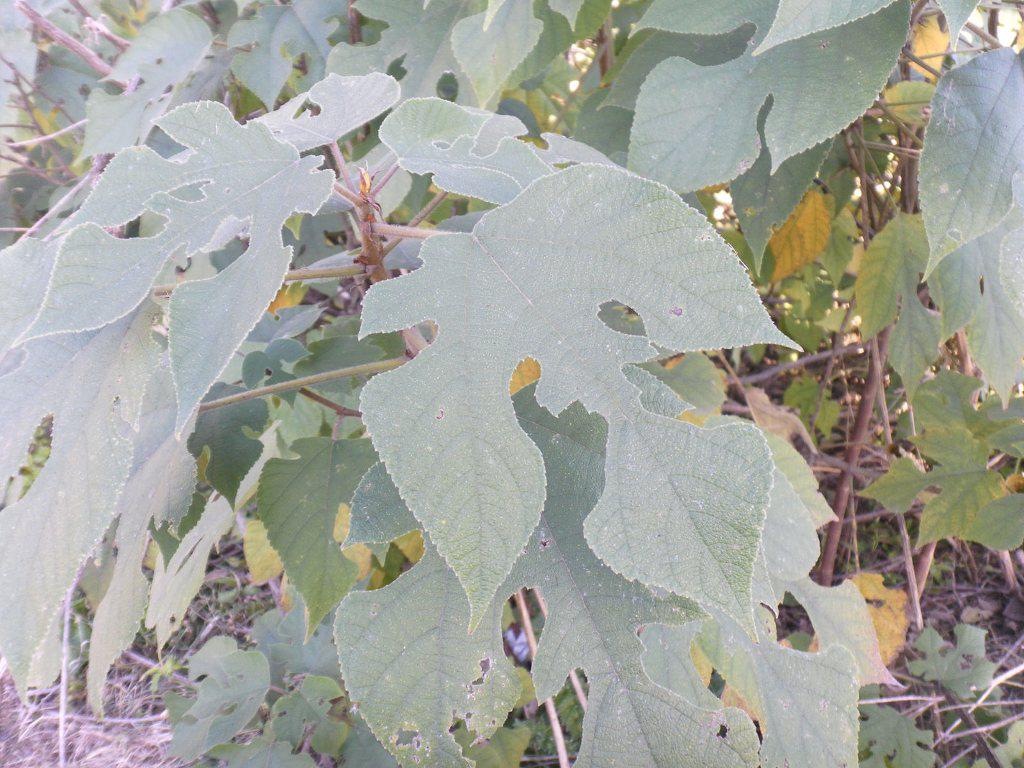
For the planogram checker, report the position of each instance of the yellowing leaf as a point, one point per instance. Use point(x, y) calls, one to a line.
point(361, 555)
point(527, 372)
point(803, 235)
point(289, 296)
point(775, 418)
point(928, 39)
point(888, 609)
point(262, 559)
point(411, 545)
point(342, 522)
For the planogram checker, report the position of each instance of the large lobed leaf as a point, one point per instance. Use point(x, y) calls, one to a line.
point(528, 281)
point(687, 136)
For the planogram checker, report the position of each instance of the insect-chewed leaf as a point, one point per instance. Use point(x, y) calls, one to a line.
point(165, 53)
point(594, 615)
point(342, 103)
point(412, 667)
point(806, 703)
point(692, 17)
point(177, 580)
point(974, 146)
point(528, 282)
point(217, 191)
point(231, 686)
point(92, 384)
point(818, 84)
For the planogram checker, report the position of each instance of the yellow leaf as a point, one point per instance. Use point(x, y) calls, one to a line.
point(527, 372)
point(289, 296)
point(287, 601)
point(411, 545)
point(342, 522)
point(260, 557)
point(804, 235)
point(361, 555)
point(888, 609)
point(776, 418)
point(928, 39)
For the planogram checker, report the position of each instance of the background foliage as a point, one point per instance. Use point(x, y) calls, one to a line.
point(512, 382)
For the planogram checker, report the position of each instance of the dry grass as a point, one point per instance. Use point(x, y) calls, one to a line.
point(134, 733)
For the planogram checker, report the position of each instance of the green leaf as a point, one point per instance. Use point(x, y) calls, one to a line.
point(973, 149)
point(177, 580)
point(159, 488)
point(841, 619)
point(818, 85)
point(413, 669)
point(362, 748)
point(971, 504)
point(469, 152)
point(298, 501)
point(342, 104)
point(799, 18)
point(92, 384)
point(970, 288)
point(227, 433)
point(763, 200)
point(962, 669)
point(165, 53)
point(594, 615)
point(262, 753)
point(692, 17)
point(697, 381)
point(305, 710)
point(281, 637)
point(278, 35)
point(957, 12)
point(891, 738)
point(504, 749)
point(888, 278)
point(446, 415)
point(26, 267)
point(378, 512)
point(420, 35)
point(231, 686)
point(99, 278)
point(806, 703)
point(490, 52)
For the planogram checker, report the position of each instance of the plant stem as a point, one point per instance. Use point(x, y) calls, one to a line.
point(401, 230)
point(305, 381)
point(845, 488)
point(549, 704)
point(64, 40)
point(292, 276)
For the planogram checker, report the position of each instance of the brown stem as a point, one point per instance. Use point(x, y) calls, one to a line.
point(844, 489)
point(549, 704)
point(63, 39)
